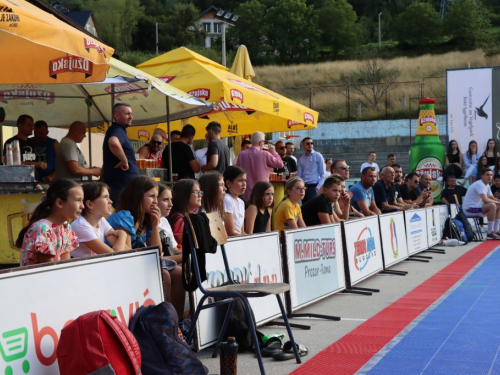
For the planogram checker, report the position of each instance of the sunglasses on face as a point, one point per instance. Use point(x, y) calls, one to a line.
point(281, 148)
point(344, 167)
point(309, 143)
point(156, 142)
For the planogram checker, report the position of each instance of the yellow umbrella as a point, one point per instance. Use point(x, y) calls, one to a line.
point(40, 49)
point(242, 106)
point(241, 65)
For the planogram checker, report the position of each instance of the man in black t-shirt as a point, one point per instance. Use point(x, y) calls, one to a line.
point(289, 165)
point(448, 194)
point(217, 152)
point(184, 162)
point(25, 126)
point(408, 192)
point(319, 210)
point(495, 187)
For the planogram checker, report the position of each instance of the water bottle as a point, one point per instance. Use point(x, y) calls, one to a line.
point(9, 158)
point(228, 356)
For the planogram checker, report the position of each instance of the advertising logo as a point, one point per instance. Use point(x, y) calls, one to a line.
point(122, 89)
point(14, 346)
point(364, 248)
point(314, 249)
point(91, 44)
point(166, 79)
point(70, 64)
point(236, 94)
point(293, 123)
point(251, 87)
point(23, 94)
point(143, 133)
point(308, 117)
point(200, 93)
point(480, 111)
point(415, 224)
point(394, 238)
point(433, 167)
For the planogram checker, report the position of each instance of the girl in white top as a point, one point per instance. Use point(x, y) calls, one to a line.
point(91, 226)
point(165, 205)
point(236, 184)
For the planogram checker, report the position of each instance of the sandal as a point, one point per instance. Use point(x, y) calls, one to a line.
point(287, 352)
point(272, 346)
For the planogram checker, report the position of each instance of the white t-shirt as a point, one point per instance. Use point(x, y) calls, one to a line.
point(86, 232)
point(373, 165)
point(472, 197)
point(237, 208)
point(165, 225)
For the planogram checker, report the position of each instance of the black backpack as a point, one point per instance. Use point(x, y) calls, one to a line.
point(468, 229)
point(451, 230)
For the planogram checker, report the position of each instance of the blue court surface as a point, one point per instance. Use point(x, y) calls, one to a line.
point(458, 334)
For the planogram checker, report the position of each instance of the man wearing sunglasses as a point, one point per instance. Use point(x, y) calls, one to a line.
point(289, 165)
point(409, 193)
point(152, 150)
point(311, 169)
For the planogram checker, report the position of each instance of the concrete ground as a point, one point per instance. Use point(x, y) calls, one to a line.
point(353, 310)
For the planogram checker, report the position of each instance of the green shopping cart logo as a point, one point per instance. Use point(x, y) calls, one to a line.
point(13, 346)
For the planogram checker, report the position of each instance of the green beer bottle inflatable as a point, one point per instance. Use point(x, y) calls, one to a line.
point(427, 153)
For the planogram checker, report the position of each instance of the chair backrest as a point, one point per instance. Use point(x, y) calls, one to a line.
point(217, 228)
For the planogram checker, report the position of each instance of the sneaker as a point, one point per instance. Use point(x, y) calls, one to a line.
point(492, 236)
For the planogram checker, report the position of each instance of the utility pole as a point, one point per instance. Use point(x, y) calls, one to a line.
point(379, 32)
point(156, 38)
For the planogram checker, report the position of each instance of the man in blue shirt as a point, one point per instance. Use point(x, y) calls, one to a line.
point(311, 168)
point(362, 193)
point(119, 164)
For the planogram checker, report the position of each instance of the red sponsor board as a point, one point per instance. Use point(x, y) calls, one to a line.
point(166, 79)
point(122, 89)
point(70, 64)
point(236, 94)
point(200, 93)
point(23, 94)
point(91, 44)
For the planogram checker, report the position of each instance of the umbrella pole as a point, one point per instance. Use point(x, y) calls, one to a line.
point(89, 103)
point(169, 142)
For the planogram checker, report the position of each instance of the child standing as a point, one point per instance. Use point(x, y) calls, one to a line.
point(236, 184)
point(48, 236)
point(261, 203)
point(288, 213)
point(372, 156)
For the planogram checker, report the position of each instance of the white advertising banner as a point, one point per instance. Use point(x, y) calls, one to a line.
point(393, 235)
point(469, 102)
point(315, 263)
point(433, 226)
point(363, 248)
point(444, 213)
point(252, 259)
point(38, 302)
point(416, 230)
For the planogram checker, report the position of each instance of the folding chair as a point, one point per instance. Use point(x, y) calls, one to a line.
point(242, 291)
point(477, 225)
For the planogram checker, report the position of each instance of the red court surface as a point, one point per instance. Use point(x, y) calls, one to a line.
point(351, 352)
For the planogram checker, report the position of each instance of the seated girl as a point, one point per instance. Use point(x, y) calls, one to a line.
point(92, 228)
point(235, 179)
point(165, 204)
point(288, 214)
point(139, 216)
point(260, 208)
point(48, 237)
point(187, 198)
point(214, 192)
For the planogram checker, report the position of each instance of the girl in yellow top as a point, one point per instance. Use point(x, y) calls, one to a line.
point(288, 214)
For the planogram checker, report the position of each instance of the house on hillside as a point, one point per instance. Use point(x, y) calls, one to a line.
point(84, 18)
point(211, 26)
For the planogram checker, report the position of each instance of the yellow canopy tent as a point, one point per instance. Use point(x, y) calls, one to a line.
point(241, 106)
point(41, 49)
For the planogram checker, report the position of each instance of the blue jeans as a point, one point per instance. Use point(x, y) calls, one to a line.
point(310, 193)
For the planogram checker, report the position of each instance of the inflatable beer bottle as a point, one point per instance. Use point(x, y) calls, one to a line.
point(427, 153)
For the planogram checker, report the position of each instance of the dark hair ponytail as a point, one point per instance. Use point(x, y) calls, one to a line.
point(59, 189)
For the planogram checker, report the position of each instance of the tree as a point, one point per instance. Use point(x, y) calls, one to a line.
point(292, 31)
point(249, 29)
point(466, 22)
point(372, 79)
point(340, 32)
point(419, 25)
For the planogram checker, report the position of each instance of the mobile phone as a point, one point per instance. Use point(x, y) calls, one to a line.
point(428, 188)
point(265, 147)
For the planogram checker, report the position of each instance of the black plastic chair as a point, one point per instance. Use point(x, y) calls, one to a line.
point(242, 291)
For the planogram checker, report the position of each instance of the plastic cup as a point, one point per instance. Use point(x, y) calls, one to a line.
point(175, 177)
